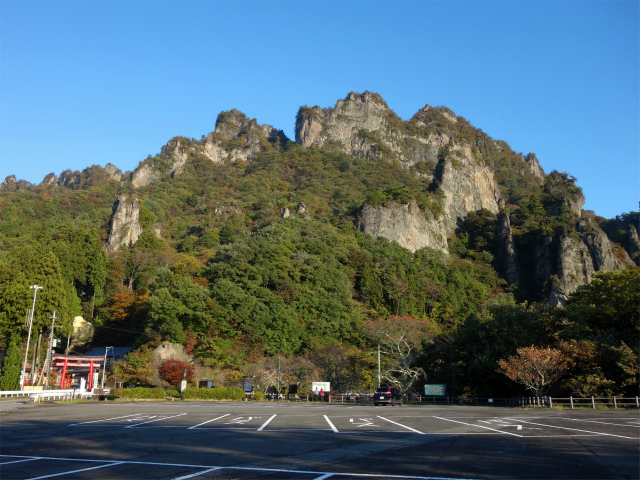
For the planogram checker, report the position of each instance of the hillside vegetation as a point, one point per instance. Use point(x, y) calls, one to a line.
point(259, 256)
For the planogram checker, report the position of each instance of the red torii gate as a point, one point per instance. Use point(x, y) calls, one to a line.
point(76, 361)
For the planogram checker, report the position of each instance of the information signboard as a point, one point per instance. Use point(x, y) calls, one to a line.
point(248, 384)
point(435, 389)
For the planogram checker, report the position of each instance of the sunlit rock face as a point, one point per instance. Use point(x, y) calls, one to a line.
point(405, 224)
point(570, 260)
point(236, 137)
point(124, 226)
point(362, 125)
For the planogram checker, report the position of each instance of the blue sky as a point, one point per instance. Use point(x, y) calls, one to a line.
point(92, 82)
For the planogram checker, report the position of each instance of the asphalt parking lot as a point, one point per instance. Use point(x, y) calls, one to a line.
point(206, 440)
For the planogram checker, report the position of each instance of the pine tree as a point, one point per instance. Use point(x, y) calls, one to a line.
point(10, 377)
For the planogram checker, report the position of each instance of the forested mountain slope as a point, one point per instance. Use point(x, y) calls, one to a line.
point(245, 244)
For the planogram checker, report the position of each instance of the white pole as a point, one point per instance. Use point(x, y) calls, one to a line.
point(104, 366)
point(24, 365)
point(379, 365)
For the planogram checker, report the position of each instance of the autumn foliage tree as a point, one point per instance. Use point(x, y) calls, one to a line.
point(400, 339)
point(535, 368)
point(172, 371)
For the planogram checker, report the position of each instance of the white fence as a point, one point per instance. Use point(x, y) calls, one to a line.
point(594, 402)
point(36, 396)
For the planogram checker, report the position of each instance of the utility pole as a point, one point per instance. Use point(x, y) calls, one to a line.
point(24, 365)
point(35, 370)
point(379, 364)
point(47, 362)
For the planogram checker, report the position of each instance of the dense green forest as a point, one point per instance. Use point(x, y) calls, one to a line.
point(218, 270)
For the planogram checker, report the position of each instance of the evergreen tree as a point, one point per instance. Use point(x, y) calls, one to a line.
point(10, 377)
point(32, 265)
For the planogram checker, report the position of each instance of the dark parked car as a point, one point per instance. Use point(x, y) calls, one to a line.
point(387, 394)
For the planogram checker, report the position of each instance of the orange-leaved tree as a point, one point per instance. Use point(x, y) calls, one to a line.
point(535, 368)
point(173, 371)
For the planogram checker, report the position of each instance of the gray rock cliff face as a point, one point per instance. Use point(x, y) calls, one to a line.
point(124, 226)
point(113, 172)
point(364, 126)
point(345, 125)
point(507, 250)
point(567, 196)
point(405, 224)
point(236, 137)
point(10, 184)
point(468, 185)
point(50, 179)
point(145, 174)
point(579, 256)
point(534, 165)
point(94, 175)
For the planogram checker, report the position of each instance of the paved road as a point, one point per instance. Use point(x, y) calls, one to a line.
point(207, 440)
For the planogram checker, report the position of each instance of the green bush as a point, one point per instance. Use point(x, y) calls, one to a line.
point(258, 395)
point(216, 393)
point(142, 393)
point(172, 393)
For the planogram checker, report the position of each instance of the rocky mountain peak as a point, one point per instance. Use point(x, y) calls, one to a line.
point(50, 179)
point(229, 124)
point(363, 126)
point(566, 195)
point(235, 137)
point(342, 124)
point(366, 97)
point(11, 184)
point(534, 165)
point(93, 175)
point(424, 115)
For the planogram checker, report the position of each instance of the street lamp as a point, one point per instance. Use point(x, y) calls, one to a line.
point(24, 365)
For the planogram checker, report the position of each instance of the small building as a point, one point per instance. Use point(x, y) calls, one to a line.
point(114, 354)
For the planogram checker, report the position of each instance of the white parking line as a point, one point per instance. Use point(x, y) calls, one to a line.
point(198, 474)
point(578, 430)
point(266, 423)
point(604, 423)
point(331, 424)
point(209, 421)
point(400, 425)
point(76, 471)
point(478, 426)
point(156, 420)
point(241, 469)
point(105, 420)
point(18, 461)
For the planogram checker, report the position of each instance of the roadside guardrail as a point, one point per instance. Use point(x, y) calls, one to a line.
point(36, 396)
